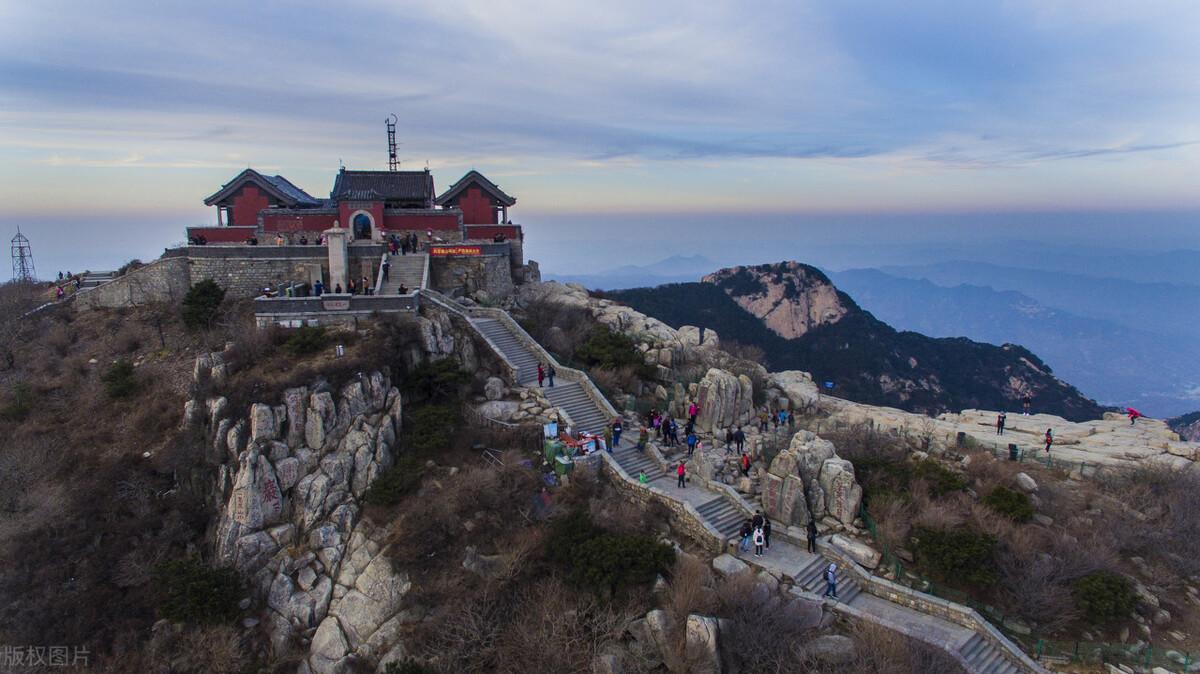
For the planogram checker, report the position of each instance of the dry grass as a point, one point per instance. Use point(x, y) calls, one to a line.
point(882, 651)
point(691, 589)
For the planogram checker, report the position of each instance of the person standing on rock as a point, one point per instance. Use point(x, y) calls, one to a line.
point(747, 533)
point(1028, 404)
point(739, 437)
point(766, 529)
point(681, 471)
point(812, 535)
point(728, 440)
point(1049, 440)
point(759, 538)
point(831, 580)
point(1000, 421)
point(541, 375)
point(745, 464)
point(691, 444)
point(693, 411)
point(762, 421)
point(616, 432)
point(672, 432)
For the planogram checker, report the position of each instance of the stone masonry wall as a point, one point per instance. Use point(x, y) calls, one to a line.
point(491, 273)
point(247, 277)
point(162, 280)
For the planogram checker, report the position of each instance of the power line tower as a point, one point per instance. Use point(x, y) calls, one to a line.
point(393, 161)
point(22, 259)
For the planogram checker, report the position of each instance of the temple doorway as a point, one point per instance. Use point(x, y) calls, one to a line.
point(362, 226)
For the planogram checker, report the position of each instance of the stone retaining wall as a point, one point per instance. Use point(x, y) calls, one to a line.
point(164, 280)
point(683, 516)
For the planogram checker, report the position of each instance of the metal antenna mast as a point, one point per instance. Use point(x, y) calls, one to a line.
point(393, 161)
point(22, 259)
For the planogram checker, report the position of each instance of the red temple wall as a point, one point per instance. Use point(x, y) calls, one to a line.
point(246, 205)
point(420, 223)
point(510, 232)
point(477, 208)
point(317, 222)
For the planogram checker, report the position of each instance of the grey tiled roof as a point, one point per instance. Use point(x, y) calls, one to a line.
point(478, 178)
point(410, 186)
point(286, 186)
point(278, 187)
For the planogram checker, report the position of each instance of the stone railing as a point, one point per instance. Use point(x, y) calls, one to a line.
point(564, 373)
point(928, 604)
point(458, 315)
point(425, 274)
point(683, 514)
point(330, 303)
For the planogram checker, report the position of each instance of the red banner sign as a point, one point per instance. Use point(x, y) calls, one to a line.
point(443, 251)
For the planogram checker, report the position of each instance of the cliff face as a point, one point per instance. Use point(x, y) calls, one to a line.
point(789, 298)
point(802, 321)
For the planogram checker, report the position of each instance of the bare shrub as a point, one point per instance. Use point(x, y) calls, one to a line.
point(615, 380)
point(562, 328)
point(1157, 517)
point(128, 340)
point(690, 589)
point(882, 651)
point(893, 518)
point(942, 513)
point(741, 351)
point(765, 634)
point(60, 338)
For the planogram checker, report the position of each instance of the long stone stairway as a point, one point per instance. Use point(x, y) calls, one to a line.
point(406, 269)
point(723, 513)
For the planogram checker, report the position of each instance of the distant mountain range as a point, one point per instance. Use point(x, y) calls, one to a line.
point(674, 269)
point(1163, 308)
point(1117, 364)
point(802, 321)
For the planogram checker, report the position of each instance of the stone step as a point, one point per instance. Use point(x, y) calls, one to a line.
point(971, 647)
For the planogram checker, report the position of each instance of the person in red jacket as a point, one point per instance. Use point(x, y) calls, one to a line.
point(682, 473)
point(1049, 439)
point(745, 464)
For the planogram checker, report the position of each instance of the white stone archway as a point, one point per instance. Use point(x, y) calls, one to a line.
point(375, 233)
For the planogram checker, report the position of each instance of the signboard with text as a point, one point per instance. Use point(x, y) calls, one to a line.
point(447, 251)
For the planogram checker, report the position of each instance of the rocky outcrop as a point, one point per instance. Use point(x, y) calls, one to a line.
point(808, 479)
point(790, 298)
point(724, 400)
point(290, 485)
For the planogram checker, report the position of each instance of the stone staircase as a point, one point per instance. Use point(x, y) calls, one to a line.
point(718, 510)
point(983, 657)
point(570, 396)
point(812, 578)
point(407, 269)
point(722, 515)
point(92, 279)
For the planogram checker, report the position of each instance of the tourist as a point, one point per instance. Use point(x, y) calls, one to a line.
point(608, 439)
point(303, 239)
point(691, 426)
point(673, 432)
point(812, 534)
point(728, 439)
point(279, 240)
point(541, 374)
point(766, 528)
point(1000, 421)
point(78, 282)
point(318, 288)
point(616, 431)
point(60, 276)
point(783, 417)
point(1049, 439)
point(692, 411)
point(700, 446)
point(412, 242)
point(745, 464)
point(691, 444)
point(762, 421)
point(791, 419)
point(428, 237)
point(58, 292)
point(350, 287)
point(681, 471)
point(1133, 415)
point(387, 268)
point(739, 438)
point(775, 421)
point(337, 289)
point(746, 533)
point(402, 290)
point(758, 520)
point(759, 539)
point(550, 372)
point(403, 246)
point(366, 286)
point(831, 580)
point(1028, 404)
point(643, 439)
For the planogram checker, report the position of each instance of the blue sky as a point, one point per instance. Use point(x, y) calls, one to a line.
point(117, 118)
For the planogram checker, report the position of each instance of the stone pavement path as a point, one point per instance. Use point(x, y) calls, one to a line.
point(807, 571)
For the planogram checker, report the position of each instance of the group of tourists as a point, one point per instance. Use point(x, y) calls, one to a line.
point(404, 243)
point(546, 371)
point(756, 530)
point(768, 420)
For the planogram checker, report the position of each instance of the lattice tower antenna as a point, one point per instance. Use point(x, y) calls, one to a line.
point(393, 160)
point(22, 259)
